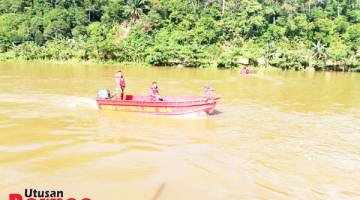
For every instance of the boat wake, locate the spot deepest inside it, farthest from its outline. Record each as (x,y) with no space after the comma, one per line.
(49,100)
(190,116)
(80,102)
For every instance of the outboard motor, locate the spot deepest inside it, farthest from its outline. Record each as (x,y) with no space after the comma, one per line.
(103,94)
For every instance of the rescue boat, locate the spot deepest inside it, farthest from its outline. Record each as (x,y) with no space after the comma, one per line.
(170,105)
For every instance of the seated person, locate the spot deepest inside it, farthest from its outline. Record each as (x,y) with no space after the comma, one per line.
(154,92)
(209,92)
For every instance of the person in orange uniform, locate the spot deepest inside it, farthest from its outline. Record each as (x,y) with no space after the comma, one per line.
(209,92)
(246,71)
(119,85)
(154,92)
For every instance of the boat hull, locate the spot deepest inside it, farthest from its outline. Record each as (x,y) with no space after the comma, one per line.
(171,106)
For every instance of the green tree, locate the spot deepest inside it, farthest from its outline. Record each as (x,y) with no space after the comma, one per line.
(320,54)
(57,24)
(136,8)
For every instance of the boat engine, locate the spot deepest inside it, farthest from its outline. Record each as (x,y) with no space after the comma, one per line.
(103,94)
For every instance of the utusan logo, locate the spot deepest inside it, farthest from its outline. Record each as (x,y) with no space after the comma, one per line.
(32,194)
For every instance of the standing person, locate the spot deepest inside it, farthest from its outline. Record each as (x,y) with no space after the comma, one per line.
(119,85)
(154,92)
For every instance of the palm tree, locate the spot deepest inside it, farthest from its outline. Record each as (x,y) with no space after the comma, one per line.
(137,8)
(319,52)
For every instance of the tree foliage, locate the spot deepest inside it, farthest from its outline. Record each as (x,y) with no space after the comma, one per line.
(195,33)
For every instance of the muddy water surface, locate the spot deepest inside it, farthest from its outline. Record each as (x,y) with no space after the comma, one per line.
(275,135)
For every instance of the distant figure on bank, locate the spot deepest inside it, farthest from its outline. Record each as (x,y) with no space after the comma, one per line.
(209,92)
(154,92)
(246,70)
(119,85)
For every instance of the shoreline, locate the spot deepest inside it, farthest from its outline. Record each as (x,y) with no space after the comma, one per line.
(146,65)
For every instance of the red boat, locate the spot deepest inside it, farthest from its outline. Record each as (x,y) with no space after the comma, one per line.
(171,105)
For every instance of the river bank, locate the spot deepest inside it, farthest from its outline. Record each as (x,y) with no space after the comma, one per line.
(128,64)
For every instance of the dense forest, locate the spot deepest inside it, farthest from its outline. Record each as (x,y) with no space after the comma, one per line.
(287,34)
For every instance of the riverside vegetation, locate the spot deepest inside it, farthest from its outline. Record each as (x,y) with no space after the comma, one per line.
(286,34)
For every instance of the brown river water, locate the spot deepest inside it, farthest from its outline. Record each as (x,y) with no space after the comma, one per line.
(274,135)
